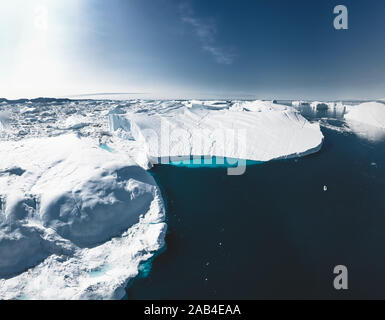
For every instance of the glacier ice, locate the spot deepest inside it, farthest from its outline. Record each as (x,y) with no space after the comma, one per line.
(254,130)
(299,103)
(69,209)
(79,214)
(319,105)
(370,113)
(4,120)
(367,120)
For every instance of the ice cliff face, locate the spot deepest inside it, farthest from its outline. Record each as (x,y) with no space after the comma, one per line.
(319,106)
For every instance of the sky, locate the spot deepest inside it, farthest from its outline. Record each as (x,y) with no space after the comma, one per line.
(267,49)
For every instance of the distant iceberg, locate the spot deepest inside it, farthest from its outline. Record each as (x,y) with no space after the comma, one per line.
(370,113)
(367,120)
(319,105)
(76,221)
(4,120)
(299,103)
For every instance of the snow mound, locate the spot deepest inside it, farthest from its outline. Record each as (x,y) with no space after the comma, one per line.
(75,220)
(257,130)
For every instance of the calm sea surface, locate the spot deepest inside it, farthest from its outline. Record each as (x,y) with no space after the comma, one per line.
(274,232)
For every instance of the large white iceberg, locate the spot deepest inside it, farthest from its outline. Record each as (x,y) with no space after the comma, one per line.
(257,130)
(76,220)
(370,113)
(367,120)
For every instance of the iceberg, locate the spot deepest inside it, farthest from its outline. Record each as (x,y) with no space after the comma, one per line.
(367,120)
(250,130)
(76,220)
(79,213)
(320,105)
(299,103)
(317,105)
(370,113)
(4,119)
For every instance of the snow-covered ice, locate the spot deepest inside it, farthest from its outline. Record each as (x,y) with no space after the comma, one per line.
(78,211)
(299,103)
(257,130)
(4,120)
(69,208)
(319,105)
(367,120)
(370,113)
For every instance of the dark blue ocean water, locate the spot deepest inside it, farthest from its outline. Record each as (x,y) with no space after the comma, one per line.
(274,232)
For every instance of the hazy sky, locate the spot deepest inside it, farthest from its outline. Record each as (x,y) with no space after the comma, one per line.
(192,48)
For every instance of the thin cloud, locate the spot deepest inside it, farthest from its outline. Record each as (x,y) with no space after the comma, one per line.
(219,55)
(205,31)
